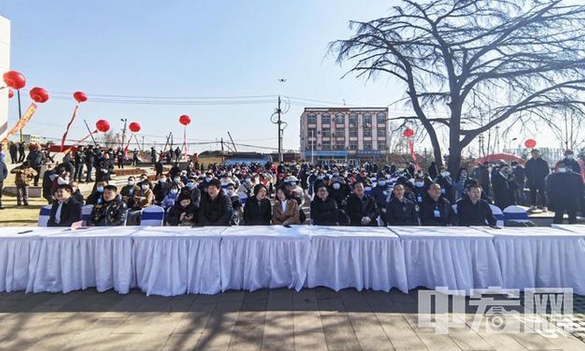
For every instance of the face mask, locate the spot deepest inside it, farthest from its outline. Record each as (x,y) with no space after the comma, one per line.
(190,184)
(382,183)
(99,189)
(320,177)
(223,183)
(177,180)
(174,191)
(562,170)
(145,187)
(248,180)
(130,182)
(293,184)
(419,184)
(570,157)
(61,181)
(445,174)
(336,186)
(208,179)
(230,192)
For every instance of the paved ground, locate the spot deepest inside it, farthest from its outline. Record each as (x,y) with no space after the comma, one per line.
(313,319)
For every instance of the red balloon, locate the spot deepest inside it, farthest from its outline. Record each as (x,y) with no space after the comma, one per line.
(134,127)
(102,125)
(530,143)
(39,95)
(80,96)
(184,120)
(14,79)
(10,94)
(408,132)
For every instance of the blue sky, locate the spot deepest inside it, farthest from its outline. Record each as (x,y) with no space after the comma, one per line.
(187,48)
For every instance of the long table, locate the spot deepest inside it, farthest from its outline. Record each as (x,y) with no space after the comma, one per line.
(175,260)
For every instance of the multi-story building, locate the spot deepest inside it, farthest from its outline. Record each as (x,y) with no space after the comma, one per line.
(344,134)
(4,66)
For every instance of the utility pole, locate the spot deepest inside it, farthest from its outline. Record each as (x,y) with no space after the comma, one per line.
(221,146)
(90,132)
(125,120)
(279,123)
(233,144)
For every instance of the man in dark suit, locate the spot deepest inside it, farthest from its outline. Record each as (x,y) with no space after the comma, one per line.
(361,208)
(66,210)
(435,209)
(472,210)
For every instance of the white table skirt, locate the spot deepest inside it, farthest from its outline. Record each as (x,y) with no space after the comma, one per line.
(355,257)
(256,257)
(458,258)
(98,257)
(18,255)
(540,257)
(177,260)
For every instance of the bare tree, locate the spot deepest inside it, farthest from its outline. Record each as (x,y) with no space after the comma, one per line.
(479,63)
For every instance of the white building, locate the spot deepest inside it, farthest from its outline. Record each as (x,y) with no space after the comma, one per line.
(4,66)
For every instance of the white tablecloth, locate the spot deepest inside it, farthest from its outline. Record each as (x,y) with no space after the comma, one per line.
(540,257)
(459,258)
(256,257)
(354,257)
(99,257)
(19,251)
(177,260)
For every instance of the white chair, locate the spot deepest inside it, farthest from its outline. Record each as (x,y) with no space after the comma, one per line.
(152,215)
(243,198)
(44,215)
(498,214)
(85,213)
(516,214)
(368,190)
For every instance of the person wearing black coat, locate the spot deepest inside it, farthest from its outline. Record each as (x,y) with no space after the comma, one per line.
(401,211)
(323,208)
(216,207)
(570,162)
(3,175)
(361,208)
(482,174)
(112,212)
(520,178)
(183,212)
(505,187)
(536,171)
(380,194)
(79,161)
(90,158)
(472,210)
(65,210)
(433,171)
(36,158)
(435,209)
(13,152)
(564,190)
(338,191)
(258,210)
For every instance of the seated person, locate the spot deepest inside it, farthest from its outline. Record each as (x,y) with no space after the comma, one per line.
(142,198)
(323,208)
(128,191)
(77,195)
(236,202)
(192,189)
(65,210)
(160,190)
(400,210)
(111,212)
(258,210)
(171,197)
(435,209)
(286,210)
(216,206)
(472,210)
(361,208)
(96,197)
(182,213)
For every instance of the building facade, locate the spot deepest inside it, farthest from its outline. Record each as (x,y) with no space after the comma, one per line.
(344,135)
(4,66)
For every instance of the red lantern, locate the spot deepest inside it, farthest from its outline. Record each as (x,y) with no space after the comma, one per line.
(102,125)
(14,79)
(408,132)
(80,96)
(39,95)
(10,94)
(530,143)
(184,120)
(134,127)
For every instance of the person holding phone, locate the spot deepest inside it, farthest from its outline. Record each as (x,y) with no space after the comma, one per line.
(183,212)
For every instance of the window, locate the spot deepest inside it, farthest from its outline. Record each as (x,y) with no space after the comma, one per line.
(311,145)
(353,145)
(381,132)
(367,120)
(367,133)
(326,145)
(340,132)
(339,146)
(381,118)
(312,133)
(381,145)
(340,119)
(325,119)
(353,132)
(367,146)
(326,133)
(311,119)
(353,120)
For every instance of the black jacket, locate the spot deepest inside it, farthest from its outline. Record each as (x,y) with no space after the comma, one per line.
(174,213)
(401,212)
(324,212)
(479,214)
(427,212)
(564,190)
(504,190)
(216,212)
(111,213)
(3,171)
(357,208)
(70,213)
(194,193)
(340,194)
(257,213)
(35,158)
(536,171)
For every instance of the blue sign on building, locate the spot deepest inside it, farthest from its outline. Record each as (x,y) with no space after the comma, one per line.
(324,153)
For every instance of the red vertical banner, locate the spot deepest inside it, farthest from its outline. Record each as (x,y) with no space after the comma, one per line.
(185,141)
(68,126)
(28,115)
(412,153)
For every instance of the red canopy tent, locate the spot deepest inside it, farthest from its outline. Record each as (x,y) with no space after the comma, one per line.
(500,157)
